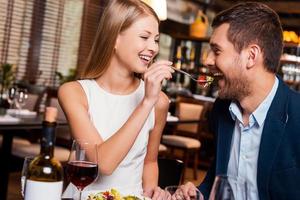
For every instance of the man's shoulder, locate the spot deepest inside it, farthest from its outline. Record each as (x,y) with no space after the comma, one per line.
(291,99)
(294,101)
(295,95)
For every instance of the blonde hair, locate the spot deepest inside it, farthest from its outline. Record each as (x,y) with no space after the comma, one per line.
(117,17)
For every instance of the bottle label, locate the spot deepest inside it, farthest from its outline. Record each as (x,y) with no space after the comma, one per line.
(36,190)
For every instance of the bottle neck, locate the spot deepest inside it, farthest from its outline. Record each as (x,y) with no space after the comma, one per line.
(48,139)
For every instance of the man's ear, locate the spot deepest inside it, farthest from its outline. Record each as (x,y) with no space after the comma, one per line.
(254,55)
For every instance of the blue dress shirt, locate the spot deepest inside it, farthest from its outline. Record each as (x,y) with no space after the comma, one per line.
(245,145)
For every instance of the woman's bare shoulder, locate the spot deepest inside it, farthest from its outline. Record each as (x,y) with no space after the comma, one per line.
(72,87)
(71,91)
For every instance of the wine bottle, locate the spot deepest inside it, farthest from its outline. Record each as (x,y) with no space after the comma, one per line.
(192,60)
(192,85)
(178,60)
(178,63)
(45,174)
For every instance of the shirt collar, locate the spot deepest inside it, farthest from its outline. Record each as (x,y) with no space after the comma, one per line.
(261,111)
(235,111)
(259,115)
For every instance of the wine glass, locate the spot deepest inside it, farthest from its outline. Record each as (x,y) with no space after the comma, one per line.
(175,192)
(228,188)
(82,167)
(20,100)
(27,161)
(11,93)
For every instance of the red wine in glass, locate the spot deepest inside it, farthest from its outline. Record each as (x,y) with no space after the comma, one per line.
(82,167)
(82,173)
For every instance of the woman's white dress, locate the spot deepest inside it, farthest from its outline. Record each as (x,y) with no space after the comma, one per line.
(108,112)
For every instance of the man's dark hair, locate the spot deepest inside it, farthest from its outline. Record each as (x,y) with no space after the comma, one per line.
(253,22)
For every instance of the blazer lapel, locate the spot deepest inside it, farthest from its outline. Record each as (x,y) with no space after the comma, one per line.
(225,131)
(273,131)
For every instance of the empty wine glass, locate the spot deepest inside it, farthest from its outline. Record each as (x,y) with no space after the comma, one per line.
(11,93)
(172,189)
(27,161)
(228,188)
(82,167)
(20,99)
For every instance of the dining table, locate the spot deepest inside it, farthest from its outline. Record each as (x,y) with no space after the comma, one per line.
(22,126)
(9,129)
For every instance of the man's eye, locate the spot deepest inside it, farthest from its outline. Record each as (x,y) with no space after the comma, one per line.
(216,51)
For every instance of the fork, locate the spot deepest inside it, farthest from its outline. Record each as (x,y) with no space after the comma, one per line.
(208,79)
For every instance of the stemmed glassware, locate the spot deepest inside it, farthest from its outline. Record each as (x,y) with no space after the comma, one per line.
(173,188)
(228,188)
(82,167)
(11,94)
(20,98)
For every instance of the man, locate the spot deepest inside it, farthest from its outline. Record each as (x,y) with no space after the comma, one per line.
(256,119)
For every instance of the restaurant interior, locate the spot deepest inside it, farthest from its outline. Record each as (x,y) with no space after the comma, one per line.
(44,44)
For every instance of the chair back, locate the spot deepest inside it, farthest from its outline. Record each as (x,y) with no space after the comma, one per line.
(190,109)
(170,172)
(32,102)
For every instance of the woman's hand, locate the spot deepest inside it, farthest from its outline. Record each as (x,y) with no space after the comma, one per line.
(153,78)
(158,194)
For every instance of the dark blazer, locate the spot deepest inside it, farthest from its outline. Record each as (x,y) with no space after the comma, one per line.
(278,170)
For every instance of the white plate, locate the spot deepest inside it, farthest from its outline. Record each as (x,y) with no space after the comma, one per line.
(22,113)
(8,119)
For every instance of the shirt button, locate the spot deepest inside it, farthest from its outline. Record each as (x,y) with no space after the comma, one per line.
(244,157)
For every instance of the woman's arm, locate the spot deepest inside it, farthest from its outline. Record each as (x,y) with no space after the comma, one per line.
(111,152)
(150,172)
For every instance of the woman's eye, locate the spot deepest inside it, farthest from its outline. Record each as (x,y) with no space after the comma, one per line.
(144,37)
(156,41)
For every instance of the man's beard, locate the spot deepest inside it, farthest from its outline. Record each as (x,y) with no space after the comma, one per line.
(236,87)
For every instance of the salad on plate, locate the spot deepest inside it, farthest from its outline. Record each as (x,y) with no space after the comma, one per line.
(112,194)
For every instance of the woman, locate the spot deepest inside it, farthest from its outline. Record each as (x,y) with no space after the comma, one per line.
(111,106)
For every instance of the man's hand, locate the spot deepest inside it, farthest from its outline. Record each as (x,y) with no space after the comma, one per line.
(187,191)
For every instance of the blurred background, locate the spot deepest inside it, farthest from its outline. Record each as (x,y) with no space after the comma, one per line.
(47,41)
(44,43)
